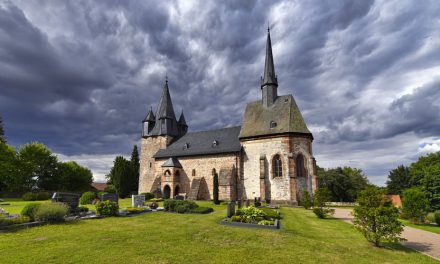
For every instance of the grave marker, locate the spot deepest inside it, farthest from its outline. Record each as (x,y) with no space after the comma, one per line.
(137,200)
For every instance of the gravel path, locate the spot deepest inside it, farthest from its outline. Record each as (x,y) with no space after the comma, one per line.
(423,241)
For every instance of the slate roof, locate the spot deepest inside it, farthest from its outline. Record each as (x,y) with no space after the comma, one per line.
(150,116)
(269,68)
(172,162)
(284,111)
(201,143)
(165,111)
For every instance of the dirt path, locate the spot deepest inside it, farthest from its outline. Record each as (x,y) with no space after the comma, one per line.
(423,241)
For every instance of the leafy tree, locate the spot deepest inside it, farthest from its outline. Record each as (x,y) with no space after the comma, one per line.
(120,176)
(425,173)
(321,197)
(344,184)
(399,180)
(215,189)
(415,205)
(38,165)
(306,199)
(376,217)
(2,132)
(135,163)
(8,168)
(73,177)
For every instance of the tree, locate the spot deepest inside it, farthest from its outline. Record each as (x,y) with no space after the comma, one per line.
(376,217)
(38,166)
(2,132)
(215,189)
(306,199)
(120,175)
(425,173)
(344,184)
(73,177)
(415,205)
(399,180)
(8,168)
(135,164)
(321,198)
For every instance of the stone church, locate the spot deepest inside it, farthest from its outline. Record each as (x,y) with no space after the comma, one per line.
(269,156)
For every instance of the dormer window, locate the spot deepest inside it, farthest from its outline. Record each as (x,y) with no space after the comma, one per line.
(214,143)
(273,124)
(186,146)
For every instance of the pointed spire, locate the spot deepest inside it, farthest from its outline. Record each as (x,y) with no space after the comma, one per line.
(182,120)
(150,116)
(165,108)
(269,68)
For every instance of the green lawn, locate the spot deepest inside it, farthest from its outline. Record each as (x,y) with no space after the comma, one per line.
(173,238)
(426,227)
(17,204)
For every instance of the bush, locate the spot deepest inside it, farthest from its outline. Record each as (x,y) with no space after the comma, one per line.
(322,212)
(29,196)
(179,206)
(306,200)
(87,198)
(81,209)
(271,214)
(266,222)
(202,210)
(437,217)
(415,205)
(215,188)
(30,210)
(148,196)
(100,195)
(51,212)
(431,217)
(110,189)
(42,196)
(251,214)
(107,208)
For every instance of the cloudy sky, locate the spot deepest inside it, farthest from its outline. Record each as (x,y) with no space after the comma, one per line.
(79,76)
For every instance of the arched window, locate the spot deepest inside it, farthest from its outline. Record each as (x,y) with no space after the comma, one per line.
(277,166)
(299,166)
(194,172)
(167,173)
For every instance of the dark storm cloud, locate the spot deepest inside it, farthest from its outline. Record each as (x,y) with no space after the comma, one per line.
(80,75)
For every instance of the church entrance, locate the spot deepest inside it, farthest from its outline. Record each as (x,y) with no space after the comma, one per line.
(176,190)
(166,192)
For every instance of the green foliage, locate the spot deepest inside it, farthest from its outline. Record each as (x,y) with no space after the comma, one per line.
(135,165)
(51,212)
(30,210)
(29,196)
(322,212)
(87,198)
(376,217)
(40,196)
(250,214)
(415,205)
(306,199)
(202,210)
(179,206)
(322,196)
(266,222)
(257,202)
(135,210)
(2,132)
(271,213)
(398,180)
(437,217)
(110,189)
(73,177)
(430,217)
(121,176)
(148,196)
(107,208)
(344,184)
(15,220)
(81,209)
(10,180)
(215,188)
(100,195)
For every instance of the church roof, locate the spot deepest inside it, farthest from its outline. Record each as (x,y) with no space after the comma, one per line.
(165,110)
(269,68)
(182,120)
(150,116)
(282,117)
(172,162)
(224,140)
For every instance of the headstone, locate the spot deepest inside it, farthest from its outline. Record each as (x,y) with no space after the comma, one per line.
(112,197)
(71,199)
(240,204)
(137,200)
(231,209)
(248,203)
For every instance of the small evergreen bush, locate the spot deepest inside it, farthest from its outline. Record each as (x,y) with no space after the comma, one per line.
(107,208)
(87,198)
(179,206)
(306,200)
(29,196)
(148,196)
(437,217)
(51,212)
(30,210)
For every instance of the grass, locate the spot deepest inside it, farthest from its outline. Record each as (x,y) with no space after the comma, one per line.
(174,238)
(16,205)
(426,227)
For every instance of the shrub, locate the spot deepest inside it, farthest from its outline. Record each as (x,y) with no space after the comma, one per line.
(376,217)
(437,217)
(148,196)
(107,208)
(87,198)
(42,196)
(202,210)
(51,212)
(431,217)
(100,195)
(415,205)
(110,189)
(252,214)
(30,210)
(306,200)
(322,212)
(179,206)
(266,222)
(215,188)
(322,196)
(237,218)
(271,214)
(29,196)
(81,209)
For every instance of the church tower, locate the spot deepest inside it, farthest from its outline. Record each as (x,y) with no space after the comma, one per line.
(277,158)
(158,131)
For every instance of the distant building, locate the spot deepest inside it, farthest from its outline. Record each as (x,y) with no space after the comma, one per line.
(269,156)
(98,186)
(395,199)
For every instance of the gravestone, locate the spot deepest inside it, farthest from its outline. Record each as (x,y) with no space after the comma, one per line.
(231,209)
(248,203)
(71,199)
(137,200)
(240,204)
(112,197)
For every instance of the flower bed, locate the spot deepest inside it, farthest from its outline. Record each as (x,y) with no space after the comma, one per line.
(185,207)
(254,217)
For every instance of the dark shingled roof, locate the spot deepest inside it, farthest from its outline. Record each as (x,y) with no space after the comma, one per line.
(285,112)
(201,143)
(172,162)
(165,113)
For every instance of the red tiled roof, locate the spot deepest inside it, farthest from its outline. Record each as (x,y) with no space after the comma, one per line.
(396,200)
(100,186)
